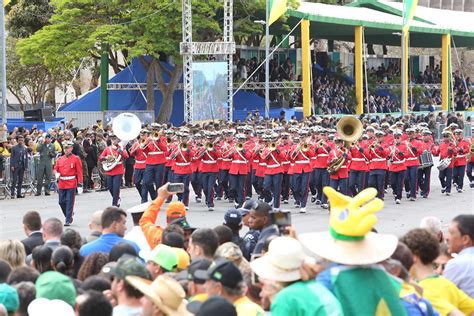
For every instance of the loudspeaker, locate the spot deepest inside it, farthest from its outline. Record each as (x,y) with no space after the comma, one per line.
(40,115)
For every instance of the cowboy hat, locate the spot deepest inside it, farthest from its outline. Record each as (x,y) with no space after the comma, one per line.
(349,239)
(282,262)
(166,293)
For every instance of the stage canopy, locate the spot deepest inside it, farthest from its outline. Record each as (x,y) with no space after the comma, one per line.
(382,22)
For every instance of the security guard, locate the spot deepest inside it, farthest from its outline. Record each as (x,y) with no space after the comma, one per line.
(68,170)
(47,152)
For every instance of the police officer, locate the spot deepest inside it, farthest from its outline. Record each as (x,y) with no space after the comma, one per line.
(47,152)
(68,170)
(249,241)
(18,165)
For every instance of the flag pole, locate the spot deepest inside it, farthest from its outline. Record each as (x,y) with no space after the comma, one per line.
(403,100)
(3,64)
(267,61)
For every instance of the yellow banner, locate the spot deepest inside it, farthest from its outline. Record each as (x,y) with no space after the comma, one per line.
(6,2)
(277,8)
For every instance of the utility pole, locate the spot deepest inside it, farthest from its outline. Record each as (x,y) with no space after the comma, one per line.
(3,65)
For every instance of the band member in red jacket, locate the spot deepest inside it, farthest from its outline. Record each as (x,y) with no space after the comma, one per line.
(424,174)
(397,168)
(226,145)
(285,181)
(321,175)
(412,162)
(446,150)
(114,153)
(470,163)
(338,180)
(209,154)
(69,168)
(359,167)
(462,148)
(301,155)
(239,169)
(182,156)
(377,154)
(140,163)
(197,144)
(273,155)
(155,148)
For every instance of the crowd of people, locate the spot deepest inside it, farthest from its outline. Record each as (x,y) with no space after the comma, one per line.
(179,269)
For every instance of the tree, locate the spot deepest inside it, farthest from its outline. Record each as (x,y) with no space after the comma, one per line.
(146,29)
(29,84)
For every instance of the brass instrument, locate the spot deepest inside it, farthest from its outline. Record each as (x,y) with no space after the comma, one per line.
(209,146)
(183,146)
(350,130)
(272,146)
(239,146)
(169,140)
(304,147)
(155,135)
(471,152)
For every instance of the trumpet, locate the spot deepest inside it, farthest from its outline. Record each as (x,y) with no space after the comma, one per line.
(169,140)
(209,146)
(304,147)
(183,146)
(239,146)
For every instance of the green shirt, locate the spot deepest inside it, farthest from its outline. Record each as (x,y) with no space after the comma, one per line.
(308,298)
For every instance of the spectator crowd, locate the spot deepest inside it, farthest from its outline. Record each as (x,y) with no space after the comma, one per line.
(247,265)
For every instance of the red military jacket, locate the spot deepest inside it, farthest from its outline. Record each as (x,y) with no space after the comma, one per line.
(462,148)
(118,169)
(156,151)
(182,160)
(447,150)
(388,139)
(343,172)
(226,162)
(429,145)
(209,159)
(286,162)
(273,160)
(140,157)
(70,171)
(322,154)
(301,159)
(397,155)
(196,162)
(413,152)
(360,160)
(378,157)
(240,161)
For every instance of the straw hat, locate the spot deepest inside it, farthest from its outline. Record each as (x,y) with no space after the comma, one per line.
(349,240)
(166,293)
(282,262)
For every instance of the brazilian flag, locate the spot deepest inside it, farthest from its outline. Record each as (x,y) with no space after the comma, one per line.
(276,9)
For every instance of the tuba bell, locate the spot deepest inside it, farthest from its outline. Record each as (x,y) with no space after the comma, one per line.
(126,126)
(349,128)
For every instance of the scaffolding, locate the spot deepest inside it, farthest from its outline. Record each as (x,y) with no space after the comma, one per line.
(246,86)
(188,49)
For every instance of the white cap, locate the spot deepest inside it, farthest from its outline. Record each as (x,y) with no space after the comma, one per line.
(39,306)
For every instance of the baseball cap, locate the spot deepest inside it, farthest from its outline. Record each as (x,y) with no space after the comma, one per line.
(222,271)
(67,143)
(127,265)
(175,210)
(9,297)
(54,307)
(198,264)
(216,305)
(248,205)
(54,285)
(233,219)
(165,257)
(183,223)
(183,258)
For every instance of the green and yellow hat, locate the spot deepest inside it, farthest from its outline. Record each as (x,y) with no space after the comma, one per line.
(350,239)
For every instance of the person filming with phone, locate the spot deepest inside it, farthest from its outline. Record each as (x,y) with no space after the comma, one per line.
(175,210)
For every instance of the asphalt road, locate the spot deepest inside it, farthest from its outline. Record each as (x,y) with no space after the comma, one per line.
(396,219)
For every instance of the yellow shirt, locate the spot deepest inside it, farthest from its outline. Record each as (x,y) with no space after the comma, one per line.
(445,296)
(4,152)
(245,307)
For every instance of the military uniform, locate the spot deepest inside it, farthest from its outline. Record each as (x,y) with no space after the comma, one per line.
(70,175)
(45,166)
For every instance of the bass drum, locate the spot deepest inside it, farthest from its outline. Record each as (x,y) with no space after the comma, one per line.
(444,163)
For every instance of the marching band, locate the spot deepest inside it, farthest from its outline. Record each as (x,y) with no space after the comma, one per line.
(227,163)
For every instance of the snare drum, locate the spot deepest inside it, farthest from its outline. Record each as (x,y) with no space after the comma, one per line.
(426,160)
